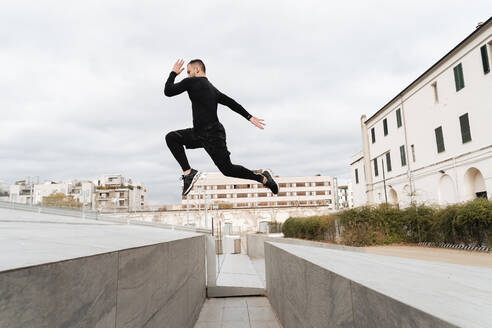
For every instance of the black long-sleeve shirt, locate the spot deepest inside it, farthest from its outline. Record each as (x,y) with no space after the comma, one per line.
(204,99)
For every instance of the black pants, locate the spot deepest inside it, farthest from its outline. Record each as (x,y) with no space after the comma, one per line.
(213,139)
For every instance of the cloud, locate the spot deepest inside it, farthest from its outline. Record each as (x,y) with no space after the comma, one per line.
(81,89)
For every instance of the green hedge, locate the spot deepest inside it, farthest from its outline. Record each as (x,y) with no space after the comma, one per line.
(467,223)
(313,228)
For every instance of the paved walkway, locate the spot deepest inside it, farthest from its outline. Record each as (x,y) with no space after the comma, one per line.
(435,254)
(237,270)
(237,312)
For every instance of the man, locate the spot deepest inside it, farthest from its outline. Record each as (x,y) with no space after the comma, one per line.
(207,131)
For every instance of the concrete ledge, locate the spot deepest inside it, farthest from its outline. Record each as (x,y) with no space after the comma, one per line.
(256,248)
(69,272)
(316,287)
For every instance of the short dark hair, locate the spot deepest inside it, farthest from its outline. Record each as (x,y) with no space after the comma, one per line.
(199,62)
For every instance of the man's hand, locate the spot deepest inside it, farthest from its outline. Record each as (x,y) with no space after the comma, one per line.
(177,66)
(257,121)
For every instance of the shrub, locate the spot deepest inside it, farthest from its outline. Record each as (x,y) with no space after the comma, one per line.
(313,228)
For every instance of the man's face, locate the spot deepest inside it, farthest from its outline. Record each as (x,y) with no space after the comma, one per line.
(192,70)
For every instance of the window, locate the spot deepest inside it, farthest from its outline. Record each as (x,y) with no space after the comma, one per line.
(373,135)
(402,156)
(458,77)
(356,175)
(485,59)
(413,152)
(465,128)
(385,127)
(375,161)
(388,161)
(398,118)
(439,140)
(436,95)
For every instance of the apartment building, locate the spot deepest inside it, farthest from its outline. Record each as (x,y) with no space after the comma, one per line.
(432,142)
(4,191)
(81,191)
(22,191)
(215,188)
(345,196)
(116,193)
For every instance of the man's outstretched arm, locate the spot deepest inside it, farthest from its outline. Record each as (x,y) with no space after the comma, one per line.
(171,88)
(232,104)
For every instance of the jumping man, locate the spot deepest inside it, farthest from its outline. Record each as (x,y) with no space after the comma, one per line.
(207,131)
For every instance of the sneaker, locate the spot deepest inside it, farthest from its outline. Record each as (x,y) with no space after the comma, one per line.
(189,180)
(270,183)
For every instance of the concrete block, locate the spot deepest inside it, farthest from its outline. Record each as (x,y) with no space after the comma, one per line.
(373,310)
(75,293)
(348,289)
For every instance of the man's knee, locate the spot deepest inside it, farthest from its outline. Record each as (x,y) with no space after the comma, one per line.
(172,137)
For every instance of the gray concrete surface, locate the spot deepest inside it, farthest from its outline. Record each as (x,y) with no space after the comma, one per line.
(237,277)
(28,238)
(256,249)
(316,287)
(69,272)
(237,312)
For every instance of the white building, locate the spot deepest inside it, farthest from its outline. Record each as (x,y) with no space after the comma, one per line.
(82,191)
(432,142)
(114,192)
(4,191)
(345,196)
(21,191)
(241,193)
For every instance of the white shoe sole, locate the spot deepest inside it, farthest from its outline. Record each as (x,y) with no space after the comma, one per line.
(195,178)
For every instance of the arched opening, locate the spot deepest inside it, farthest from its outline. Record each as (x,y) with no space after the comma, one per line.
(393,196)
(447,191)
(474,184)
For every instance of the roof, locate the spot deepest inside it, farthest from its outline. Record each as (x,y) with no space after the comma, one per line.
(477,30)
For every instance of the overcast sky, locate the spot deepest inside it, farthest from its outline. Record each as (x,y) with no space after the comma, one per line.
(81,87)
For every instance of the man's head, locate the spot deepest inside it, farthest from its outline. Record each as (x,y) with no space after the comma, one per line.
(195,68)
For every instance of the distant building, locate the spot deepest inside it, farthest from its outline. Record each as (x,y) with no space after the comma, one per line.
(4,191)
(21,192)
(345,196)
(116,193)
(432,142)
(81,191)
(240,193)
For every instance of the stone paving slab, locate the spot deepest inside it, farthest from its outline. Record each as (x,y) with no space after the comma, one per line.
(238,271)
(237,312)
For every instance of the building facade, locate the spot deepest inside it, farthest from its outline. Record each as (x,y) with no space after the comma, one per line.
(227,192)
(22,191)
(345,196)
(432,142)
(116,193)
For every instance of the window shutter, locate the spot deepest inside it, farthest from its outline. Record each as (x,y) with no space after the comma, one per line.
(485,59)
(388,161)
(465,128)
(439,140)
(385,127)
(373,135)
(375,161)
(356,176)
(403,156)
(398,117)
(458,77)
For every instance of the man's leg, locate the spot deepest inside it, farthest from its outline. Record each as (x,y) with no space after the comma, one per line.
(223,162)
(176,140)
